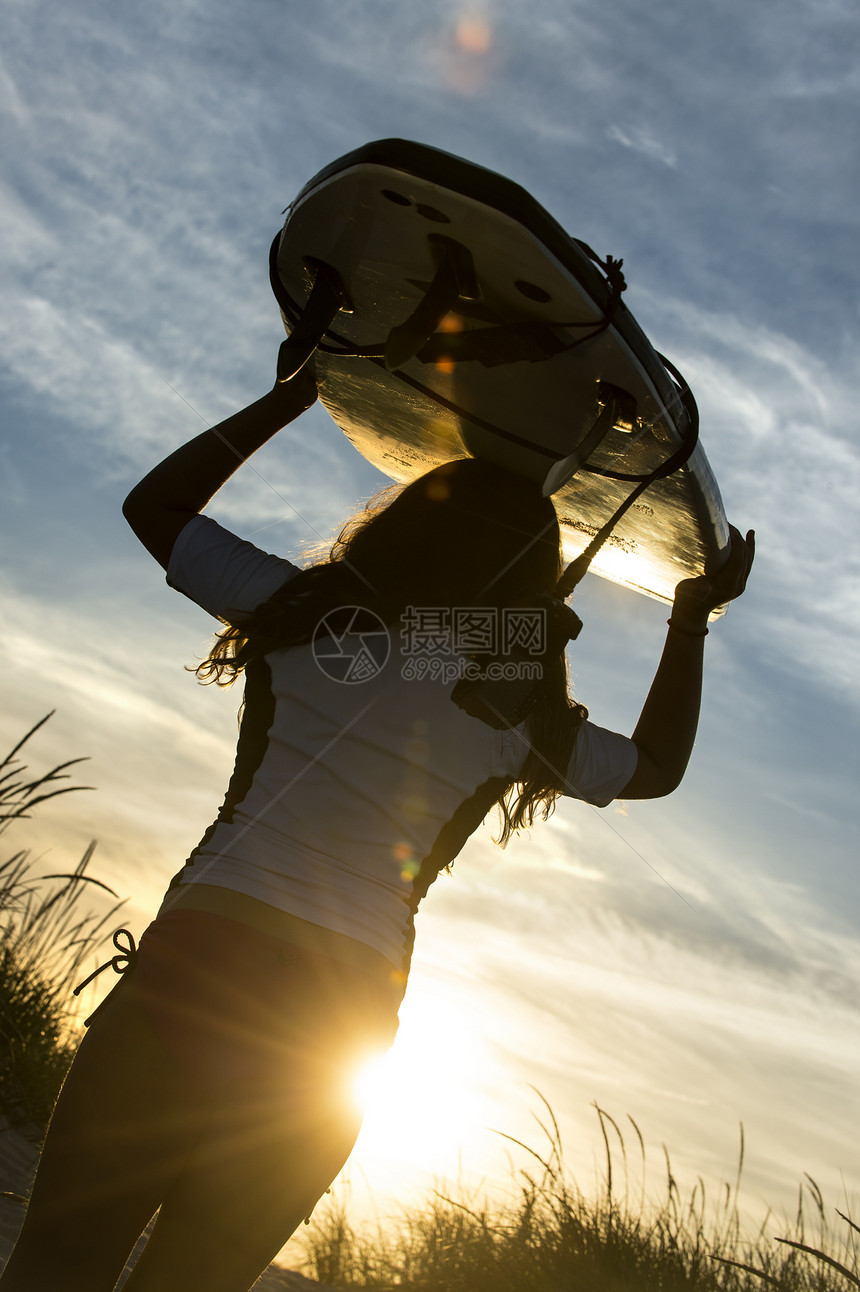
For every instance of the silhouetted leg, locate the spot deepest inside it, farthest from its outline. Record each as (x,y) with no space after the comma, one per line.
(244,1189)
(119,1134)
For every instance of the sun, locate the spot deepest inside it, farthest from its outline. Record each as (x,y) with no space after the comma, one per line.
(421,1097)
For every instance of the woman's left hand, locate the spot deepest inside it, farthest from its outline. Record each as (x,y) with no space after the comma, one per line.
(695,599)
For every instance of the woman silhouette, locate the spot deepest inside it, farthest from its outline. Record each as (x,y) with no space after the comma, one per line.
(214,1083)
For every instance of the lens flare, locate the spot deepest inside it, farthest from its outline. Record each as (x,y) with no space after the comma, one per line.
(466,52)
(437,490)
(473,35)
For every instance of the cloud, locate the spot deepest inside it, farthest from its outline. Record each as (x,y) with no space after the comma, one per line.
(745,1009)
(685,1041)
(709,897)
(775,426)
(641,140)
(123,414)
(150,152)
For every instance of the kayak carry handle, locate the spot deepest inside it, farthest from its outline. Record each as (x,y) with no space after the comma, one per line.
(454,280)
(618,407)
(328,297)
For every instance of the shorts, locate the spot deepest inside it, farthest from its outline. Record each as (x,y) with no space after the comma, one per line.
(235,1006)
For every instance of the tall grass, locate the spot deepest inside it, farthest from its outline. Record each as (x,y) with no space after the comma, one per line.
(555,1239)
(552,1238)
(45,935)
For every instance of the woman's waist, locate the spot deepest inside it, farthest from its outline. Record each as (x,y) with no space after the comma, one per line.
(271,920)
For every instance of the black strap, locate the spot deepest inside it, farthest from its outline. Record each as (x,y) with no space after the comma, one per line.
(327,299)
(577,569)
(492,347)
(503,704)
(528,339)
(616,283)
(453,280)
(615,403)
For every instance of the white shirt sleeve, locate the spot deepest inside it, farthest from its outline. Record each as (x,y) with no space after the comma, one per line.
(602,764)
(225,575)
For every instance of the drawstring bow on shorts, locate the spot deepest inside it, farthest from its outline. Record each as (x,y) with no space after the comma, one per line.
(125,959)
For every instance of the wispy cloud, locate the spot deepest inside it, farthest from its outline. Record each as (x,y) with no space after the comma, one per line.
(691,1033)
(776,424)
(149,154)
(641,140)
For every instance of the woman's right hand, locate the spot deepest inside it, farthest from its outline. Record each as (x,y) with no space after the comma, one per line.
(160,507)
(300,390)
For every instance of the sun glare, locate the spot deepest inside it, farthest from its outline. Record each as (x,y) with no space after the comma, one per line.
(420,1097)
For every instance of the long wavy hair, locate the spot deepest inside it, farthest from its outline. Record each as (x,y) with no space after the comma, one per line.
(468,533)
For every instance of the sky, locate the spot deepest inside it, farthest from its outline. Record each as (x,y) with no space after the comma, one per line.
(690,963)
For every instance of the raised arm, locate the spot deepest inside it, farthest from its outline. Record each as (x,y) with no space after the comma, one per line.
(666,728)
(181,486)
